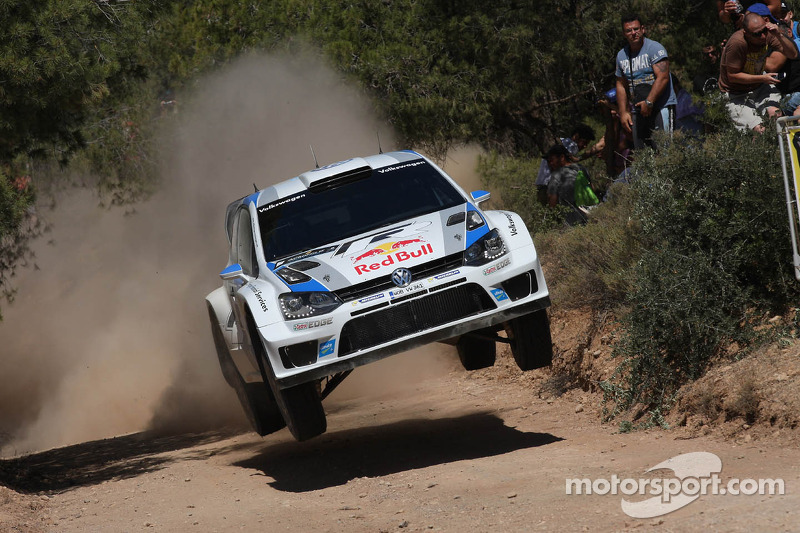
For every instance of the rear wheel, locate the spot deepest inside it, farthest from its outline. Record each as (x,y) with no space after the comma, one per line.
(301,405)
(476,353)
(531,343)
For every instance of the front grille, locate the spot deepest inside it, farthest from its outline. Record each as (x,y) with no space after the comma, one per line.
(384,283)
(414,316)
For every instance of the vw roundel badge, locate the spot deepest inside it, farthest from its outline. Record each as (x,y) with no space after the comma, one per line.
(401,277)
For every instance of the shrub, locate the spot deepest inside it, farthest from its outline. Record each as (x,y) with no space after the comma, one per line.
(591,265)
(18,223)
(715,254)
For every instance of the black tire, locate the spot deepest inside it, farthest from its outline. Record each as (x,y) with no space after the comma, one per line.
(300,406)
(261,408)
(531,343)
(302,410)
(476,353)
(256,398)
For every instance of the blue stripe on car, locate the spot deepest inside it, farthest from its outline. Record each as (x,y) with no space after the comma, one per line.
(252,199)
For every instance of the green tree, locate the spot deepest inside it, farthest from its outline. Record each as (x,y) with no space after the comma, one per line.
(61,63)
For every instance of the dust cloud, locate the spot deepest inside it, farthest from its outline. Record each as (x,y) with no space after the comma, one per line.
(109,334)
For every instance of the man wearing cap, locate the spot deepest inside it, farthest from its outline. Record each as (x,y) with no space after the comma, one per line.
(745,77)
(561,188)
(643,80)
(732,11)
(581,136)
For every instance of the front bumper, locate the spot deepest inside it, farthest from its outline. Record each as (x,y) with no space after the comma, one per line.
(432,309)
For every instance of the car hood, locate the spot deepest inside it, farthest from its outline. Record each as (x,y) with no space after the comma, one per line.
(377,253)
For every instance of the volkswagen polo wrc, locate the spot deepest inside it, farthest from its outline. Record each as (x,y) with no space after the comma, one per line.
(359,260)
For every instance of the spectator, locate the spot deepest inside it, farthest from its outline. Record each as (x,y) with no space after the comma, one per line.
(767,15)
(786,18)
(790,84)
(614,146)
(705,79)
(561,188)
(749,89)
(581,136)
(644,84)
(732,11)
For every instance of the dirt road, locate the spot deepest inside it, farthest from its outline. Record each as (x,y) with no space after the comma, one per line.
(485,451)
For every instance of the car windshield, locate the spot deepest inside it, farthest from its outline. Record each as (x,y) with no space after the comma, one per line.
(381,197)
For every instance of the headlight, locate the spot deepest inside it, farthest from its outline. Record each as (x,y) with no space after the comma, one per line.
(487,248)
(296,305)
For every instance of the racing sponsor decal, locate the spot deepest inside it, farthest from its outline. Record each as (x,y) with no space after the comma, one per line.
(494,268)
(398,167)
(390,257)
(416,287)
(499,294)
(369,299)
(406,231)
(304,255)
(445,275)
(512,227)
(387,247)
(313,324)
(281,202)
(326,348)
(259,297)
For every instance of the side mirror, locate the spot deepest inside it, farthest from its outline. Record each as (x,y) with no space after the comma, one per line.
(480,196)
(232,272)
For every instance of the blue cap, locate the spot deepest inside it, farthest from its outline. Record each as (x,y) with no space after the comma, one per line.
(611,95)
(763,10)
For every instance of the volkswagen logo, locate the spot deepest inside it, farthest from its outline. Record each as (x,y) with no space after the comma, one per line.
(401,277)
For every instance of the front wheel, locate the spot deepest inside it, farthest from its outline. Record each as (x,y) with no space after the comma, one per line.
(302,410)
(476,353)
(531,342)
(301,405)
(256,399)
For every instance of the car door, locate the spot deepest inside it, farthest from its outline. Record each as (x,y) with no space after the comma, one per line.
(242,251)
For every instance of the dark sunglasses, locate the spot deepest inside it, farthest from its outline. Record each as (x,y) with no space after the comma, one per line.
(761,33)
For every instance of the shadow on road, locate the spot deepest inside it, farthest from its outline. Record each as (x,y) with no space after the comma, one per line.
(335,458)
(90,463)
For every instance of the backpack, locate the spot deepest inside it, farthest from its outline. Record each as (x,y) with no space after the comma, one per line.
(584,195)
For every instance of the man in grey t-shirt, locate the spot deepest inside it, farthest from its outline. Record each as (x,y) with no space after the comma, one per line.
(643,84)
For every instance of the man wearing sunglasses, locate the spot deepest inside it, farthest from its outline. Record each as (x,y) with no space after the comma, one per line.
(747,70)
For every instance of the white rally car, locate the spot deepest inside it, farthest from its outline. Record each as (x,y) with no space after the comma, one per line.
(362,259)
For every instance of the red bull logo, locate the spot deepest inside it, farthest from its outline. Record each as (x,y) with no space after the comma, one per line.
(386,248)
(392,257)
